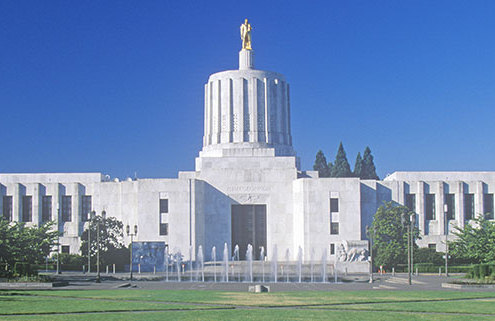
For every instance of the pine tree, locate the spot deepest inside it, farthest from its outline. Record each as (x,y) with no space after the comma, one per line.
(321,165)
(341,167)
(358,166)
(368,170)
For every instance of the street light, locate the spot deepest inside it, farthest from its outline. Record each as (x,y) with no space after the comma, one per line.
(92,214)
(370,232)
(58,238)
(103,217)
(445,210)
(409,226)
(128,230)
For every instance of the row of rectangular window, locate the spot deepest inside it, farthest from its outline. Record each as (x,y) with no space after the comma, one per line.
(469,213)
(46,208)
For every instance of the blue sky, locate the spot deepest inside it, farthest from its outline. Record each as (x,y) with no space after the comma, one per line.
(117,86)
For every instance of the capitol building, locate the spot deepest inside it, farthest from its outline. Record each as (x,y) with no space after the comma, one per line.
(247,187)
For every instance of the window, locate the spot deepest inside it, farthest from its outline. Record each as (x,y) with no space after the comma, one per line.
(163,216)
(411,202)
(66,249)
(334,205)
(332,249)
(488,206)
(334,228)
(430,207)
(164,206)
(432,246)
(66,208)
(450,202)
(7,208)
(163,228)
(468,206)
(85,207)
(27,209)
(46,208)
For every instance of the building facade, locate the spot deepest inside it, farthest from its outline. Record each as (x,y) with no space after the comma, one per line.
(247,188)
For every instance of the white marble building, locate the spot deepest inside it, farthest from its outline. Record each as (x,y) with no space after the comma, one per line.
(247,187)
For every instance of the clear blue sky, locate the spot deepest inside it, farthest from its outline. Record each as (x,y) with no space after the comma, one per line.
(117,86)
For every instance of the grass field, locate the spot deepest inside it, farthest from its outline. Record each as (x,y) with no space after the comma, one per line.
(132,304)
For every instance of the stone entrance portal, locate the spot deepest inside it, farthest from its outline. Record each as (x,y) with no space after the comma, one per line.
(249,227)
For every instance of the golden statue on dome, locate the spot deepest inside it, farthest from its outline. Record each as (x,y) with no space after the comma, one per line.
(246,35)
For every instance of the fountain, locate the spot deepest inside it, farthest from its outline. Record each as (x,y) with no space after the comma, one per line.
(262,259)
(299,263)
(200,262)
(249,258)
(287,260)
(324,266)
(214,259)
(225,263)
(274,264)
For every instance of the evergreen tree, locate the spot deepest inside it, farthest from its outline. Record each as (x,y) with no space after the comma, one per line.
(321,165)
(330,168)
(368,170)
(341,167)
(358,166)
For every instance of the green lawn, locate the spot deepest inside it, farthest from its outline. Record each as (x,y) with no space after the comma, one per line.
(132,304)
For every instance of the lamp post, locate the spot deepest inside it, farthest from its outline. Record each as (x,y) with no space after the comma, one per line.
(370,233)
(409,227)
(103,216)
(58,238)
(91,216)
(411,235)
(128,230)
(445,210)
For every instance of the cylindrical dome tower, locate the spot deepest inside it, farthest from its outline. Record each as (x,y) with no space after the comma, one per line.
(247,112)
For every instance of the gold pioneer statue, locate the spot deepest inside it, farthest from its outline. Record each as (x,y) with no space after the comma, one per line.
(246,35)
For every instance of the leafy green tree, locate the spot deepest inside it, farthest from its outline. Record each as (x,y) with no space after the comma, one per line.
(358,166)
(19,243)
(475,242)
(368,170)
(390,234)
(111,240)
(341,167)
(321,165)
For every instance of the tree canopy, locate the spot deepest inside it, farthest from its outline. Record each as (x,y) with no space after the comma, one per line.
(390,234)
(112,249)
(341,167)
(475,242)
(321,165)
(358,166)
(20,243)
(368,170)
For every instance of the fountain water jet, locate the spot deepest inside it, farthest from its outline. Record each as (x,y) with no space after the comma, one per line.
(236,256)
(262,259)
(190,263)
(214,259)
(225,263)
(312,260)
(324,266)
(178,256)
(287,260)
(299,263)
(200,262)
(165,262)
(274,264)
(249,258)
